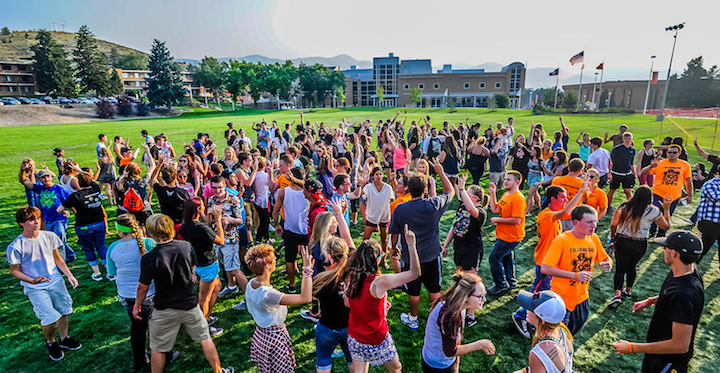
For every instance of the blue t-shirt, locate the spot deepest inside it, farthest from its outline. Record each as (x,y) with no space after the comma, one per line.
(200,149)
(50,199)
(422,216)
(346,213)
(263,139)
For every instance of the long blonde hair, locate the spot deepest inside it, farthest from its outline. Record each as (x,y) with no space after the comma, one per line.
(544,329)
(127,220)
(321,228)
(337,249)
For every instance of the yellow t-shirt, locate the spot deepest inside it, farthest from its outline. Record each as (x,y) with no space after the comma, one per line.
(572,186)
(547,230)
(569,253)
(596,198)
(670,178)
(511,206)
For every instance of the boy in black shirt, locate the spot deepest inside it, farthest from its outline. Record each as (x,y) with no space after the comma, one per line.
(678,308)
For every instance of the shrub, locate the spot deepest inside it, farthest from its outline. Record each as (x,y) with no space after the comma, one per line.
(502,100)
(538,109)
(105,109)
(143,109)
(124,106)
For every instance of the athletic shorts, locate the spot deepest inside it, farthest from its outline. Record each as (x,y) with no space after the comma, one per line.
(653,364)
(165,325)
(431,277)
(51,303)
(376,226)
(466,256)
(627,181)
(292,242)
(575,319)
(209,272)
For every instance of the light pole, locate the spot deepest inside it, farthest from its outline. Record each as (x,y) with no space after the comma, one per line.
(593,96)
(675,28)
(647,93)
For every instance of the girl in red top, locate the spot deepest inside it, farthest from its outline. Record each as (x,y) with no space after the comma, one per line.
(365,293)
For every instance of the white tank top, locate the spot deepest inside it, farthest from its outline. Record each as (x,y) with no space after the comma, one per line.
(547,362)
(68,188)
(296,208)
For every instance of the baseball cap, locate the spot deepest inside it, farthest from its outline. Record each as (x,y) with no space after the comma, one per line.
(125,149)
(314,187)
(229,124)
(547,305)
(687,243)
(44,172)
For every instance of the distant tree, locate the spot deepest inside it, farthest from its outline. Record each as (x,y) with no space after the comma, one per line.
(696,87)
(340,92)
(278,78)
(165,85)
(115,85)
(211,75)
(570,99)
(235,81)
(492,104)
(27,36)
(317,81)
(5,31)
(451,104)
(416,95)
(91,69)
(114,57)
(309,81)
(51,67)
(502,100)
(548,96)
(380,92)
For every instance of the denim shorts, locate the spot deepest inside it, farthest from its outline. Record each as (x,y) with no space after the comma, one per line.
(209,272)
(534,179)
(230,255)
(326,340)
(50,303)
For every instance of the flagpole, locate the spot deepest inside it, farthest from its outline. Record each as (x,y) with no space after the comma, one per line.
(601,82)
(647,93)
(557,83)
(582,69)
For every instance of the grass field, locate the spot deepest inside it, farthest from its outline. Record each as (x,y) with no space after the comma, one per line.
(101,324)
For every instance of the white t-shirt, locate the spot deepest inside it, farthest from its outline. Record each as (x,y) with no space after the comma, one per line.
(378,203)
(600,160)
(260,187)
(35,257)
(263,304)
(649,216)
(98,147)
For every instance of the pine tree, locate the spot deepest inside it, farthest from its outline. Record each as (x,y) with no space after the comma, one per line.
(165,84)
(52,67)
(115,85)
(91,65)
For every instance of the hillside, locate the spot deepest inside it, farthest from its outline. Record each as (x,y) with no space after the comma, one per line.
(18,45)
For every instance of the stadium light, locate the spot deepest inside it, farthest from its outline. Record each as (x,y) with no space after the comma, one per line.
(675,28)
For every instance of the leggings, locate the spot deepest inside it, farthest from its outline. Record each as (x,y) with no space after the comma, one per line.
(627,256)
(262,229)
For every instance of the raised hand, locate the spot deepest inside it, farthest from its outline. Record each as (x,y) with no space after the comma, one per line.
(409,237)
(492,188)
(436,166)
(462,180)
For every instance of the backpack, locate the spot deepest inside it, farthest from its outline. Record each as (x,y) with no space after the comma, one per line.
(132,201)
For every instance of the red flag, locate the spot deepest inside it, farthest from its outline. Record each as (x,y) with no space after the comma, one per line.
(654,78)
(600,66)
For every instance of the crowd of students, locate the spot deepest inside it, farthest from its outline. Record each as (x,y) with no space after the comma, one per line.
(217,211)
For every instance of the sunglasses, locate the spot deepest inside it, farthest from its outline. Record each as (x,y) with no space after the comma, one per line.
(592,176)
(673,152)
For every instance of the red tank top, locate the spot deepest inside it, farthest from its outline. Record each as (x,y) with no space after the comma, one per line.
(367,323)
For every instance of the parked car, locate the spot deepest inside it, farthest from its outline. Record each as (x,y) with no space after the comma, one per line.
(75,100)
(23,100)
(37,101)
(113,100)
(10,101)
(94,100)
(85,101)
(64,100)
(47,99)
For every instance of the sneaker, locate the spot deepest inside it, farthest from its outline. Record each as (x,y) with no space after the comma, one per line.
(522,326)
(175,356)
(308,315)
(110,278)
(610,210)
(290,289)
(212,320)
(96,277)
(242,306)
(214,332)
(496,290)
(615,302)
(227,291)
(625,294)
(408,320)
(70,344)
(470,321)
(56,353)
(228,370)
(688,221)
(354,223)
(271,228)
(271,240)
(337,354)
(513,285)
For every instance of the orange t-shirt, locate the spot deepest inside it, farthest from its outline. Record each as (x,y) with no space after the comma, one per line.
(511,206)
(569,253)
(572,186)
(400,199)
(284,183)
(547,230)
(125,161)
(596,198)
(670,178)
(547,154)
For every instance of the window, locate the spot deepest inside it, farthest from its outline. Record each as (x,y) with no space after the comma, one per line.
(146,76)
(7,67)
(482,85)
(8,78)
(421,86)
(11,89)
(406,86)
(126,75)
(136,75)
(498,85)
(25,78)
(22,68)
(26,89)
(138,84)
(436,86)
(466,85)
(184,76)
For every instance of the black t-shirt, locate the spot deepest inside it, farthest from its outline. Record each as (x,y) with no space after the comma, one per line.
(681,300)
(334,314)
(155,152)
(422,216)
(233,135)
(201,238)
(520,155)
(172,201)
(472,238)
(715,162)
(306,151)
(87,204)
(622,158)
(171,266)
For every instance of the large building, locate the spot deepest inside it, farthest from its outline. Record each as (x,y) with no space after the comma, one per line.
(135,81)
(468,88)
(628,94)
(16,79)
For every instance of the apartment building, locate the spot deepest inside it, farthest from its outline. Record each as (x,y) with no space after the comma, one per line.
(136,81)
(16,79)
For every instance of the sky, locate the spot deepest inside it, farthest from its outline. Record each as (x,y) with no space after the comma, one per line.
(539,33)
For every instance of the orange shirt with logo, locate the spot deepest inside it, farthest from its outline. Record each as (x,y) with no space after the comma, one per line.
(670,178)
(570,253)
(596,198)
(572,186)
(547,230)
(511,206)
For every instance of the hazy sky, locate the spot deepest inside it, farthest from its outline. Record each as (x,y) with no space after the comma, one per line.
(541,33)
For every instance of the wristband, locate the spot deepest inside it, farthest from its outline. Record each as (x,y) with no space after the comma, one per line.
(576,276)
(307,272)
(308,267)
(136,308)
(32,282)
(651,301)
(630,348)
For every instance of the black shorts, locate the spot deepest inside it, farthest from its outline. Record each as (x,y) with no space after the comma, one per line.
(468,257)
(653,364)
(575,319)
(292,242)
(382,226)
(627,181)
(431,277)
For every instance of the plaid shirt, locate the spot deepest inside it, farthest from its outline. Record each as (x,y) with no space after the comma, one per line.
(709,207)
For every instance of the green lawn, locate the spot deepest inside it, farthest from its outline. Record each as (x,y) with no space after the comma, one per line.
(102,325)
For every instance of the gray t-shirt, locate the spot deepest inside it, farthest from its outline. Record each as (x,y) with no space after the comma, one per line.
(651,214)
(123,262)
(35,257)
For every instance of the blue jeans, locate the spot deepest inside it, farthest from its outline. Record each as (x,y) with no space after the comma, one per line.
(657,201)
(92,238)
(541,283)
(502,263)
(59,227)
(326,340)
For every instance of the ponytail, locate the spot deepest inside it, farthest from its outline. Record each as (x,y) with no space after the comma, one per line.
(129,221)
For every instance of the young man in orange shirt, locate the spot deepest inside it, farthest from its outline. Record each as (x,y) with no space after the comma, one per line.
(548,227)
(595,197)
(670,174)
(570,262)
(572,183)
(509,231)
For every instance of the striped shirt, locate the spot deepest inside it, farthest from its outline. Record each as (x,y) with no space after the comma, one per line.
(709,207)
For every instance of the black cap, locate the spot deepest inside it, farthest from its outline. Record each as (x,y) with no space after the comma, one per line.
(229,124)
(687,243)
(200,135)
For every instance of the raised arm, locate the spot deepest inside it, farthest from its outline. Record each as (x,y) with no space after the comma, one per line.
(383,283)
(305,295)
(700,150)
(577,140)
(446,184)
(464,197)
(337,209)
